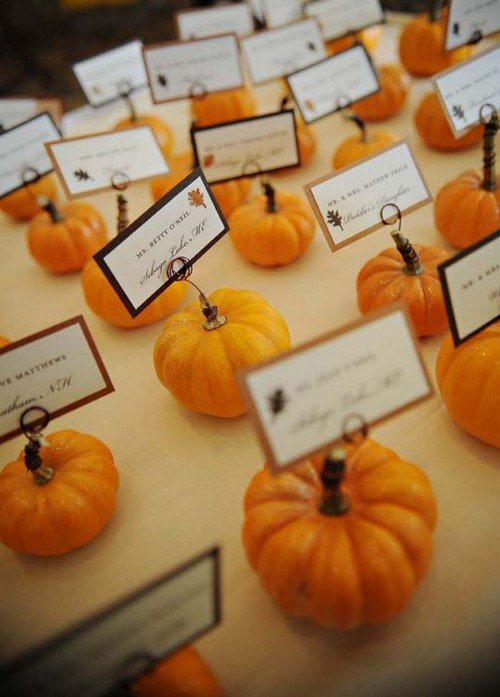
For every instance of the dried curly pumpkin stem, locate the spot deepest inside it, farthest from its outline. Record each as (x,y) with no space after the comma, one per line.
(55,215)
(213,320)
(335,501)
(33,461)
(270,194)
(360,123)
(122,217)
(489,170)
(408,253)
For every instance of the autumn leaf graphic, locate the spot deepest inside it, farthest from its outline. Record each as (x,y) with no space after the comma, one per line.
(456,28)
(458,112)
(196,198)
(309,104)
(162,80)
(277,401)
(311,46)
(96,89)
(335,219)
(208,160)
(82,176)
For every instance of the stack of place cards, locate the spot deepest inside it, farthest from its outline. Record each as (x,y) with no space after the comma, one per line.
(16,110)
(468,21)
(210,21)
(339,17)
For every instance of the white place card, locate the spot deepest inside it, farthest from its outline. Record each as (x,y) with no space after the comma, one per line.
(58,369)
(301,401)
(247,147)
(185,222)
(110,650)
(87,164)
(21,148)
(348,203)
(339,17)
(468,21)
(210,21)
(181,69)
(333,83)
(109,75)
(277,52)
(471,287)
(278,12)
(15,110)
(465,88)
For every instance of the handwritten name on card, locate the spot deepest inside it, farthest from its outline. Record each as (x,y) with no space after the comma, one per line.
(22,147)
(471,288)
(465,88)
(177,70)
(58,369)
(210,21)
(185,222)
(248,147)
(279,12)
(88,164)
(348,203)
(339,17)
(371,368)
(277,52)
(468,21)
(106,77)
(15,110)
(114,647)
(333,83)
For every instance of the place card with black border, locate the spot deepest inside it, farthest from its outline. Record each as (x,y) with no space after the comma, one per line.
(197,23)
(59,369)
(334,83)
(107,76)
(467,86)
(22,148)
(300,401)
(471,288)
(468,21)
(87,164)
(186,222)
(347,203)
(181,69)
(106,652)
(276,13)
(340,17)
(277,52)
(16,110)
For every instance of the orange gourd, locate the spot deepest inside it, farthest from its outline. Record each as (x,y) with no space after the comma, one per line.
(62,241)
(22,204)
(468,378)
(219,107)
(467,209)
(394,83)
(199,351)
(421,44)
(184,674)
(369,37)
(435,131)
(366,142)
(161,130)
(344,539)
(63,503)
(275,229)
(407,274)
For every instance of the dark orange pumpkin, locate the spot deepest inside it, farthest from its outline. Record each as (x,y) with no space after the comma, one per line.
(161,130)
(369,37)
(22,204)
(434,129)
(220,107)
(366,142)
(394,83)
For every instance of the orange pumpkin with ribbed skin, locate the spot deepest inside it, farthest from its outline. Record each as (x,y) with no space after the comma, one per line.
(161,130)
(184,674)
(389,278)
(70,508)
(219,107)
(198,365)
(275,229)
(366,142)
(435,131)
(63,241)
(369,37)
(22,205)
(346,568)
(468,378)
(394,83)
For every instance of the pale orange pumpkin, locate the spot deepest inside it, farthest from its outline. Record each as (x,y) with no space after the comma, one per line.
(369,37)
(394,83)
(22,204)
(366,142)
(161,130)
(219,107)
(434,129)
(468,378)
(63,503)
(344,539)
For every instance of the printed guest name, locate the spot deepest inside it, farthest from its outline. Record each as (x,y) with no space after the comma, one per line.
(28,372)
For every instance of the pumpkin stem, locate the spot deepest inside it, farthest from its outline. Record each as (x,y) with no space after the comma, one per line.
(33,461)
(489,172)
(435,10)
(130,105)
(270,194)
(49,206)
(360,123)
(213,320)
(284,102)
(335,501)
(408,253)
(122,218)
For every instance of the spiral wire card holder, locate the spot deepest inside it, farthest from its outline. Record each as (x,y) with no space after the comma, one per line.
(405,248)
(32,429)
(120,182)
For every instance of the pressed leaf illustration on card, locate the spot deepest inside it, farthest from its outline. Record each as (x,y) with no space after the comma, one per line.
(196,198)
(277,401)
(334,218)
(458,111)
(82,176)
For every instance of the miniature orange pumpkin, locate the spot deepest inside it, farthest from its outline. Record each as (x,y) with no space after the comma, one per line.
(390,100)
(185,674)
(220,107)
(200,349)
(468,378)
(369,37)
(63,240)
(306,139)
(22,205)
(434,129)
(161,130)
(65,502)
(342,540)
(421,44)
(275,229)
(408,274)
(365,143)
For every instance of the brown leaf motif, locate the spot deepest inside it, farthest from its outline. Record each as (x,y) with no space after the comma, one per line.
(196,198)
(208,160)
(309,104)
(334,218)
(277,401)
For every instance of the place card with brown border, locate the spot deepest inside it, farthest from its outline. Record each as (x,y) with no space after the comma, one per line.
(468,86)
(59,369)
(186,222)
(347,203)
(469,21)
(22,153)
(107,652)
(16,110)
(366,372)
(197,23)
(181,69)
(277,52)
(87,164)
(334,83)
(471,288)
(247,147)
(340,17)
(276,13)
